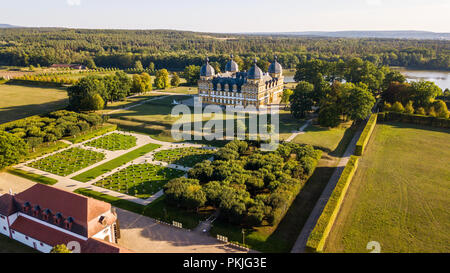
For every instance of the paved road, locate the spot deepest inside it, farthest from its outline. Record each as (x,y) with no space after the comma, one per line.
(300,244)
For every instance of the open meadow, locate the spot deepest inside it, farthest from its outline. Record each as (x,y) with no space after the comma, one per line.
(19,101)
(399,195)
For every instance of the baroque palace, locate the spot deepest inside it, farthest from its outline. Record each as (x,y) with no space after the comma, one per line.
(246,88)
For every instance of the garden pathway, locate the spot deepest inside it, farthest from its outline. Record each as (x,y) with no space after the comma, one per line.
(300,244)
(299,132)
(67,183)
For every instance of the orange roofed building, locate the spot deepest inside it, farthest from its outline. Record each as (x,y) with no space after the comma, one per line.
(42,217)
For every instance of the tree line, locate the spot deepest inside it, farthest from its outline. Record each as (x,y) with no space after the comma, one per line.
(175,50)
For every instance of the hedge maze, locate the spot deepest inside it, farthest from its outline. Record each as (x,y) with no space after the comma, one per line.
(139,180)
(113,142)
(68,161)
(187,157)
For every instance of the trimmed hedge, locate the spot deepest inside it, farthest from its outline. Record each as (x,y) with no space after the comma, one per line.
(93,133)
(365,135)
(317,238)
(415,119)
(33,177)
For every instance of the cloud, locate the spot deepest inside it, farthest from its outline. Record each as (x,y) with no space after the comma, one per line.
(73,2)
(374,2)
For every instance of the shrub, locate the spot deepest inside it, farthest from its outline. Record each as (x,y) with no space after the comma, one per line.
(421,111)
(318,236)
(397,107)
(365,135)
(409,109)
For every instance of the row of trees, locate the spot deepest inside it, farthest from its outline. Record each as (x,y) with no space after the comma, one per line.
(175,50)
(437,109)
(17,137)
(248,187)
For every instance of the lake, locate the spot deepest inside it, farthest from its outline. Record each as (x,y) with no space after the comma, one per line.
(441,78)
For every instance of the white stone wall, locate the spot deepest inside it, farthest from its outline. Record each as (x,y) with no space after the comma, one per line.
(33,243)
(4,227)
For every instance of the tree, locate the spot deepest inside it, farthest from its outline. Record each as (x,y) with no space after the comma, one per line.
(192,74)
(358,101)
(96,102)
(421,111)
(391,77)
(216,66)
(301,100)
(86,87)
(423,92)
(60,249)
(12,149)
(162,79)
(175,81)
(396,91)
(409,109)
(397,107)
(286,95)
(138,66)
(441,109)
(151,67)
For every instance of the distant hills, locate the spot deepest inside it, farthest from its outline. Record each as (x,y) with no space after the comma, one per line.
(8,26)
(412,34)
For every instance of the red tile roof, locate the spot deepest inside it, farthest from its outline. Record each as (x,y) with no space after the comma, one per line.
(7,205)
(84,210)
(54,237)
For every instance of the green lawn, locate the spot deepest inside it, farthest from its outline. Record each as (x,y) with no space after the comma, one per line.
(326,139)
(92,132)
(158,209)
(45,148)
(113,142)
(33,177)
(400,194)
(18,101)
(139,180)
(67,161)
(114,163)
(181,90)
(187,157)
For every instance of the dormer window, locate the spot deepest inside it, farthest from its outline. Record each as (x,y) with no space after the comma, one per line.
(46,214)
(58,218)
(36,210)
(26,207)
(69,222)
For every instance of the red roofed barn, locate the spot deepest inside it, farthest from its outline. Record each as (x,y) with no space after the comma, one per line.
(42,217)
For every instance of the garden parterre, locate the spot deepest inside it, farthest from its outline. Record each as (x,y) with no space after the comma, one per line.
(113,142)
(67,161)
(187,157)
(139,180)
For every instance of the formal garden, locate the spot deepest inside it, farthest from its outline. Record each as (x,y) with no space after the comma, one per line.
(187,157)
(139,180)
(113,142)
(67,161)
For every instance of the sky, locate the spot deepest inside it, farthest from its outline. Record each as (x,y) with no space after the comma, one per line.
(232,16)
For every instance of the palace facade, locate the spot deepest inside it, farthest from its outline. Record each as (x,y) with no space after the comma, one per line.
(246,88)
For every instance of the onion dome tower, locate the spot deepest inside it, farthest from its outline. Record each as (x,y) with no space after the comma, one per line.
(255,73)
(207,71)
(275,69)
(232,66)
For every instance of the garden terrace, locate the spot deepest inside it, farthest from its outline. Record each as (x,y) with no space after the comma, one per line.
(113,142)
(67,161)
(139,180)
(187,157)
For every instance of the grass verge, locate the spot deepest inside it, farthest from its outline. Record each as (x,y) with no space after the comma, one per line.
(33,177)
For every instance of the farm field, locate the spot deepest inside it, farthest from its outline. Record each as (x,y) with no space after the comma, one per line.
(399,196)
(113,142)
(67,161)
(19,101)
(140,180)
(187,157)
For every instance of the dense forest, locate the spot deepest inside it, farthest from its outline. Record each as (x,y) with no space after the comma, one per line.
(175,50)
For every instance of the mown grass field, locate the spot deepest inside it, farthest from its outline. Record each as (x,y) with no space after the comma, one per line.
(18,101)
(400,194)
